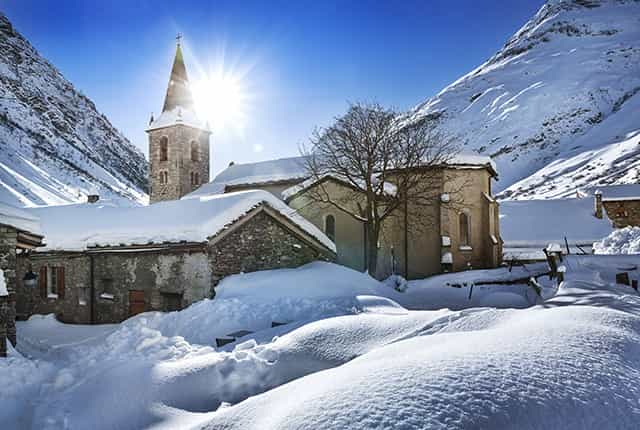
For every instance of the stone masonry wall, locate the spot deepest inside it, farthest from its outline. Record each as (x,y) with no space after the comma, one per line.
(623,213)
(178,165)
(261,243)
(8,241)
(184,274)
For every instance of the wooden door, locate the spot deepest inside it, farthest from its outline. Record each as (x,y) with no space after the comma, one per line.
(136,302)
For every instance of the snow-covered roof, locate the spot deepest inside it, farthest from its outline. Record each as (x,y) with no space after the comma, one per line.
(536,223)
(78,227)
(470,159)
(294,169)
(389,188)
(620,192)
(263,172)
(178,116)
(19,219)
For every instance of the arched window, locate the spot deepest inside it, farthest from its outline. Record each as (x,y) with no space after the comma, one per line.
(195,153)
(465,229)
(164,177)
(164,148)
(330,227)
(195,178)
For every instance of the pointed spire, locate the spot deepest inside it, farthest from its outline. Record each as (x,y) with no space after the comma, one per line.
(178,92)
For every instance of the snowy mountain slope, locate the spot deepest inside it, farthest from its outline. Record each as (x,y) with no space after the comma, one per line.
(564,89)
(55,146)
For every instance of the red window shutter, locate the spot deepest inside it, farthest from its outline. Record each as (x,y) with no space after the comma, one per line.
(60,282)
(43,282)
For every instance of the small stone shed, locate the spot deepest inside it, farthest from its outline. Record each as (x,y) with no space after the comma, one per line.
(621,204)
(103,264)
(19,234)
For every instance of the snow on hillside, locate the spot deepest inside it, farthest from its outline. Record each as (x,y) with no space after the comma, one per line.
(55,147)
(572,363)
(622,241)
(557,107)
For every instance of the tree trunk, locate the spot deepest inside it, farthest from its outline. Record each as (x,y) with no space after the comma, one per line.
(372,250)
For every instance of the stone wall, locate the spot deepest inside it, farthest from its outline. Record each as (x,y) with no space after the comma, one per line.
(261,243)
(178,165)
(8,242)
(177,273)
(623,213)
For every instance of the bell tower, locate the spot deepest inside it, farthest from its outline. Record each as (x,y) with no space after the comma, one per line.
(178,140)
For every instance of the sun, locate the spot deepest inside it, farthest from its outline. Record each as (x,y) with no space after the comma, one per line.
(221,100)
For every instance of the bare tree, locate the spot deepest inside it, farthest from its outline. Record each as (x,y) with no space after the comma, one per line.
(388,166)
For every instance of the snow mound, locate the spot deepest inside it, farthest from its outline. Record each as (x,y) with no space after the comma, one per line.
(573,363)
(313,280)
(622,241)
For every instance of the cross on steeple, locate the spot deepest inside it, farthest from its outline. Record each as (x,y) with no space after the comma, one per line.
(179,38)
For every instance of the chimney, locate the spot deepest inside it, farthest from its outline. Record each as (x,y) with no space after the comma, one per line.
(598,204)
(231,163)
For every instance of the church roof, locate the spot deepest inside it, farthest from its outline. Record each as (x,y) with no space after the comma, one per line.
(82,226)
(293,169)
(290,169)
(178,91)
(178,116)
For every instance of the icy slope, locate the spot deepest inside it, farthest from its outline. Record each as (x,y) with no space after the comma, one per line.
(54,145)
(564,90)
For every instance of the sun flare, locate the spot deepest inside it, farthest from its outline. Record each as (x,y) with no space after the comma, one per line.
(221,100)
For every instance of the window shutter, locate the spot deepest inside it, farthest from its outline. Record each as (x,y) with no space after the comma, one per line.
(43,282)
(60,282)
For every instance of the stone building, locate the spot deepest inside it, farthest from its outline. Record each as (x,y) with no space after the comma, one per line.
(178,141)
(621,204)
(459,230)
(19,234)
(103,264)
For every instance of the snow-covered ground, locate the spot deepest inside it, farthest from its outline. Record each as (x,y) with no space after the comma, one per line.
(347,356)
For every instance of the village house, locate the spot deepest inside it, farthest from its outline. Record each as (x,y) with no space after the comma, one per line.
(103,264)
(19,234)
(620,203)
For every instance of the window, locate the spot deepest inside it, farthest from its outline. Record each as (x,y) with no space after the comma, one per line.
(164,148)
(465,232)
(195,178)
(164,177)
(171,302)
(52,282)
(195,153)
(330,227)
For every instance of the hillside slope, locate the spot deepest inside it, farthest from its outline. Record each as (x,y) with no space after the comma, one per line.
(562,95)
(55,146)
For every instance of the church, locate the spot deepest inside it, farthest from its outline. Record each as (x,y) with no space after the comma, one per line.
(101,264)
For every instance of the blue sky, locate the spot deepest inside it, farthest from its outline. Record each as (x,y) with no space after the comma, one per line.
(298,63)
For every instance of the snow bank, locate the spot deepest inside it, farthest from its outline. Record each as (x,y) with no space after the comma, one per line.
(573,363)
(76,227)
(527,226)
(21,382)
(623,241)
(3,285)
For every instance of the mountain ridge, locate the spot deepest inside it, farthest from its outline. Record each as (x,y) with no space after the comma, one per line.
(56,147)
(532,105)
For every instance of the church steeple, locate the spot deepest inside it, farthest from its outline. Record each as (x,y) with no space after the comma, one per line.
(178,92)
